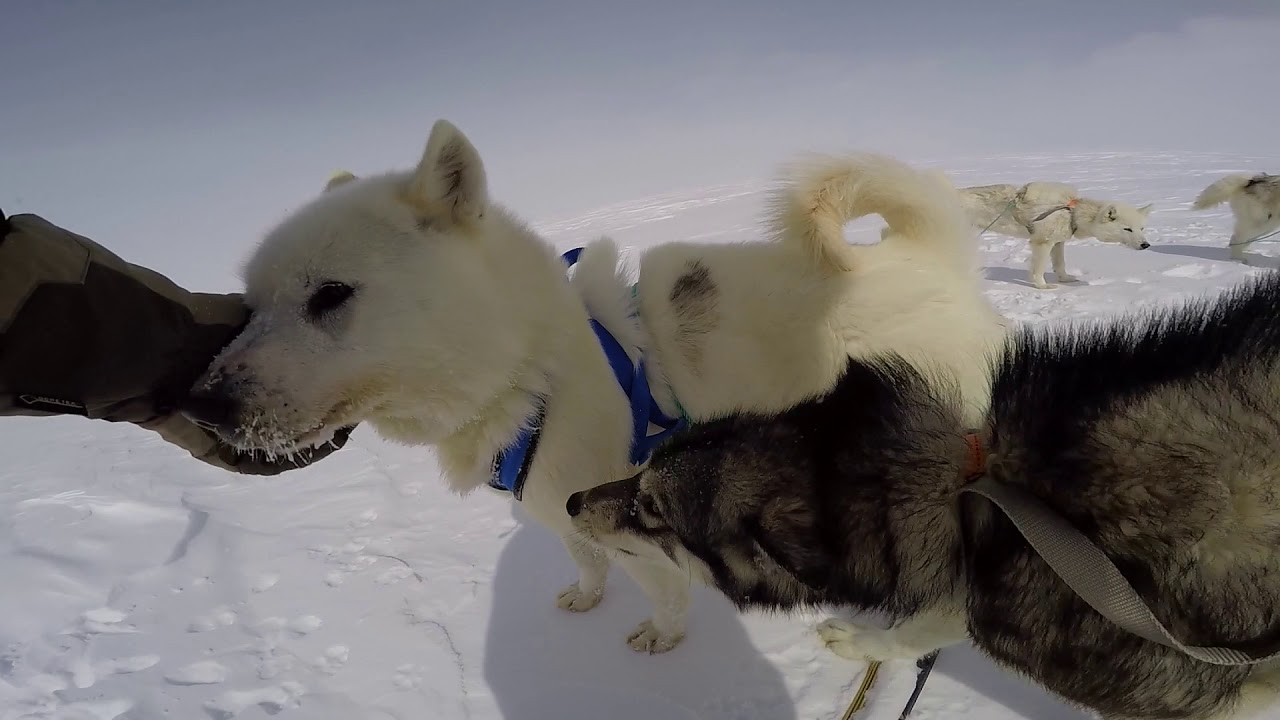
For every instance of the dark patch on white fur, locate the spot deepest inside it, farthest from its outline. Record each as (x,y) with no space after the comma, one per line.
(1263,179)
(694,300)
(1264,187)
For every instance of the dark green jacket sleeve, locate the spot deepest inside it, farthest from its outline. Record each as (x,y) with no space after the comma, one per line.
(84,332)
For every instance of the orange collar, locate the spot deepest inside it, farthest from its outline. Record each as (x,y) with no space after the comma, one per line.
(1073,202)
(976,464)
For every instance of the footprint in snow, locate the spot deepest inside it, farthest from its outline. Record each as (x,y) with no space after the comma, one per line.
(393,575)
(105,621)
(264,582)
(205,672)
(221,617)
(94,709)
(84,674)
(333,659)
(1193,270)
(127,665)
(364,519)
(305,625)
(272,700)
(407,677)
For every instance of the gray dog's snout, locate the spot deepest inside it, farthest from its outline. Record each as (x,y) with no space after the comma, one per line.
(574,505)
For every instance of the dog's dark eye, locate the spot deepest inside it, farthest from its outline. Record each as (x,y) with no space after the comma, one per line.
(328,297)
(1128,229)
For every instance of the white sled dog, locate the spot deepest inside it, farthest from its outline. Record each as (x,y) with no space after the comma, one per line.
(1049,214)
(1255,203)
(412,302)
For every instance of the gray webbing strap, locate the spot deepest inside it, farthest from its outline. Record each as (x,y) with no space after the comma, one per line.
(1049,212)
(1092,575)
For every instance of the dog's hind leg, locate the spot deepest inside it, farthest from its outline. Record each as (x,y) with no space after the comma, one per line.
(593,568)
(668,589)
(1059,256)
(909,639)
(1239,243)
(1040,249)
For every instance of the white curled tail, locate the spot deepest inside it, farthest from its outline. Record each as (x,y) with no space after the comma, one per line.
(823,194)
(1220,191)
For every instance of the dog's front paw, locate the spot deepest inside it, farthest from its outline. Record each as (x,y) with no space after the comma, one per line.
(1063,277)
(575,599)
(854,642)
(1042,285)
(648,638)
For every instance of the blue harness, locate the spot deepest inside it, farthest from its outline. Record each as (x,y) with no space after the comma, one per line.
(511,466)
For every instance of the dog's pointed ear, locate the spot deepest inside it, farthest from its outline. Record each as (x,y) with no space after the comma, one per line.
(450,180)
(1109,213)
(342,177)
(1146,209)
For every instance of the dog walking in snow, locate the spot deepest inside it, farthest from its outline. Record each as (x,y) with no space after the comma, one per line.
(412,302)
(1049,214)
(1154,435)
(1255,203)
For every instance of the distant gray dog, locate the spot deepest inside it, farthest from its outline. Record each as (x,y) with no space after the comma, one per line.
(1255,203)
(1155,436)
(1049,214)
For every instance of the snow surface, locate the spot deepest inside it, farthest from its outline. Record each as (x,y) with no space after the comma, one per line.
(138,583)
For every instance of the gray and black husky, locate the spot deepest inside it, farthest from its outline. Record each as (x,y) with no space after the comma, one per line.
(1157,436)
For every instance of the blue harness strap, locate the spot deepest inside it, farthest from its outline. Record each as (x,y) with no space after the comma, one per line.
(644,409)
(511,466)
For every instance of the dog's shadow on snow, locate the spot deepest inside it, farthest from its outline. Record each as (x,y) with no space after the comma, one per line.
(1221,254)
(967,666)
(1200,252)
(544,663)
(1017,276)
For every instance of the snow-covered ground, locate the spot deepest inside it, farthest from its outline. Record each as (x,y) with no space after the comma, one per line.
(137,583)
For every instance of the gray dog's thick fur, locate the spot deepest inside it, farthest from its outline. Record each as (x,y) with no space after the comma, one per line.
(1158,437)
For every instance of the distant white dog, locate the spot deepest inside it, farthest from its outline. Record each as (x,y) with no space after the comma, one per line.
(1049,214)
(1255,203)
(410,301)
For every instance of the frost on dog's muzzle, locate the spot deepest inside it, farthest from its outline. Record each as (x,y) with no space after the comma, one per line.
(603,510)
(250,419)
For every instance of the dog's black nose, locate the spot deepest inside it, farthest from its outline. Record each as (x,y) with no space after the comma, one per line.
(1145,245)
(574,506)
(212,410)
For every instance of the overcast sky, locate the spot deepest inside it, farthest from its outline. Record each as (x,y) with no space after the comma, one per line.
(175,133)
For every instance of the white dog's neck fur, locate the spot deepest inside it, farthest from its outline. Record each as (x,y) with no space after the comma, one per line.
(1084,217)
(556,361)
